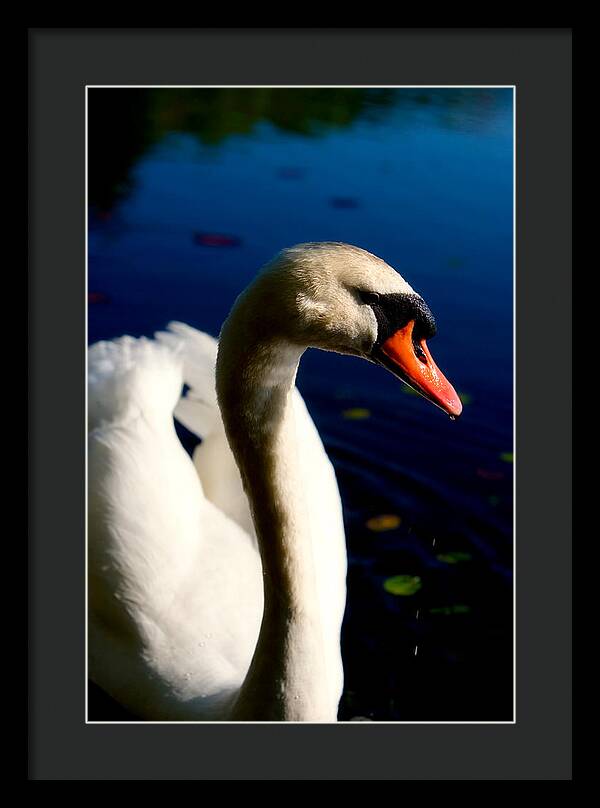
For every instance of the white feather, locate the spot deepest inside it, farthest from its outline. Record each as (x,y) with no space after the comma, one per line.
(175,584)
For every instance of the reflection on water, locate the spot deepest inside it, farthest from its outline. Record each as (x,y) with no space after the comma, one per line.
(123,124)
(191,191)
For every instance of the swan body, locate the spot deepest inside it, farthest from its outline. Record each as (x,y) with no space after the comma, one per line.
(174,573)
(216,585)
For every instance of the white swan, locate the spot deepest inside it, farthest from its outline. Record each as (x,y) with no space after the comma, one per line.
(198,611)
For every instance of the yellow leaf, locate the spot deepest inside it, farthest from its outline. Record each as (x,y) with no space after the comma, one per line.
(356,413)
(386,521)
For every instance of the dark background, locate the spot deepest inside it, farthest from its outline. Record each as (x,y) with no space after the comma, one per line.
(538,746)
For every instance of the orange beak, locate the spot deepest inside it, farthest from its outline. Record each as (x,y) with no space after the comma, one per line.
(413,363)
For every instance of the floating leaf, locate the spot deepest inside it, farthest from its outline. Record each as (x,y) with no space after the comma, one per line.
(459,609)
(507,457)
(486,474)
(465,398)
(410,391)
(216,240)
(97,297)
(454,557)
(386,521)
(402,584)
(344,202)
(356,413)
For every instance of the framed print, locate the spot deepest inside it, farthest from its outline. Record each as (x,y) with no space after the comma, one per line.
(250,538)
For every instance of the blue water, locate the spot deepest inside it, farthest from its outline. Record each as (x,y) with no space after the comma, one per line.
(424,180)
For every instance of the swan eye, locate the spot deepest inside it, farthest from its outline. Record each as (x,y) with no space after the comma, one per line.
(420,353)
(369,297)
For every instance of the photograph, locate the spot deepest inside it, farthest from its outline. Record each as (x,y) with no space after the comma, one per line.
(300,404)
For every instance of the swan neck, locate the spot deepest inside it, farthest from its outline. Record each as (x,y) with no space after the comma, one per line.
(255,386)
(261,429)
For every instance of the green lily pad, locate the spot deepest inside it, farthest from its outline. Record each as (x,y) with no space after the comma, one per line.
(356,413)
(447,610)
(402,584)
(465,398)
(454,557)
(507,457)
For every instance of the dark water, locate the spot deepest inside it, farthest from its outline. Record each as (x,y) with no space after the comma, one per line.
(191,191)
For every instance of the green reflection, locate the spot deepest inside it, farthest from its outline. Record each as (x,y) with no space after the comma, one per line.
(124,123)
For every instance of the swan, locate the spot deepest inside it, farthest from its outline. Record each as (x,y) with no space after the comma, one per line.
(216,586)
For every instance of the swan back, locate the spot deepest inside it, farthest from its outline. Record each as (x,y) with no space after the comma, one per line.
(128,376)
(174,585)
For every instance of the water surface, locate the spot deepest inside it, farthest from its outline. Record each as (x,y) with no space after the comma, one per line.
(191,191)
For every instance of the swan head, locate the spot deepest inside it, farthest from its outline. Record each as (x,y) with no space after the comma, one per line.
(341,298)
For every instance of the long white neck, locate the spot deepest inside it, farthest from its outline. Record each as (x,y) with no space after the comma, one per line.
(287,679)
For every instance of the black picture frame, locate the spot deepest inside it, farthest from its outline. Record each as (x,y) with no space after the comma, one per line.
(61,63)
